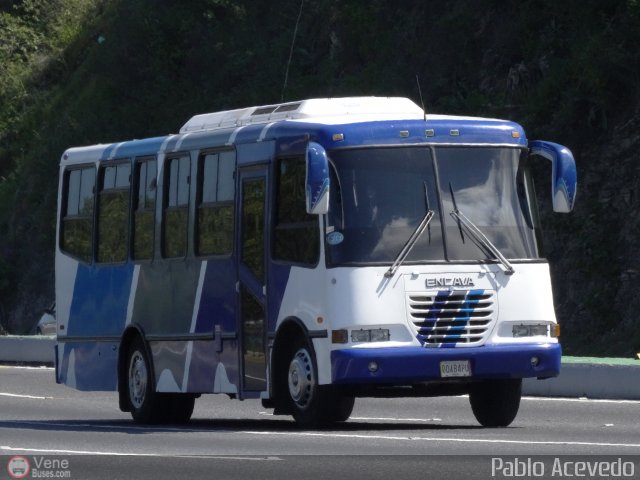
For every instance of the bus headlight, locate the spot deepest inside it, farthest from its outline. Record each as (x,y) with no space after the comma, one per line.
(530,330)
(370,335)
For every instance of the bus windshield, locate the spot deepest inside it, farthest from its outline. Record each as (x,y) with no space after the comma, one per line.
(380,195)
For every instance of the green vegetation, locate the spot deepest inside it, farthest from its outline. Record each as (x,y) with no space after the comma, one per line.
(75,72)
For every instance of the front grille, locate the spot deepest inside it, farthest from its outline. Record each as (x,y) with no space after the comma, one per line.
(452,318)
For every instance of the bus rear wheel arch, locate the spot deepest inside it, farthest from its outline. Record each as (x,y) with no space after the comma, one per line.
(143,402)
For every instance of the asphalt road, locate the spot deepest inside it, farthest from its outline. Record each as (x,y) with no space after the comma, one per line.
(385,438)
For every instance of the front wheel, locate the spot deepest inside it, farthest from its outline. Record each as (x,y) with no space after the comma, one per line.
(495,403)
(312,405)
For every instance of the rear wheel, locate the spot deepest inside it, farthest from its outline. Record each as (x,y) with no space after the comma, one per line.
(142,397)
(312,405)
(178,407)
(146,405)
(495,403)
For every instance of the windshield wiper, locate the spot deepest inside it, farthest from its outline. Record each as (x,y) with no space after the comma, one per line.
(482,239)
(424,223)
(410,244)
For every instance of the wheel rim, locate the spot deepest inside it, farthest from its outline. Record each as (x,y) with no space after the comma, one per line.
(301,379)
(138,379)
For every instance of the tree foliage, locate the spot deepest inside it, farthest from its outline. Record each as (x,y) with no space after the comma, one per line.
(77,72)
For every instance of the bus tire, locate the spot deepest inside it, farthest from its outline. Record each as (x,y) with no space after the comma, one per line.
(144,402)
(146,405)
(495,403)
(342,407)
(311,405)
(177,407)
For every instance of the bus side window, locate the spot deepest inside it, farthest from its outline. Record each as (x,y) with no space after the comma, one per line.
(216,191)
(176,207)
(144,208)
(297,235)
(77,219)
(113,213)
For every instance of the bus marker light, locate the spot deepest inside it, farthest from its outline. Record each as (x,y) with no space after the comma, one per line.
(404,133)
(515,134)
(338,137)
(535,361)
(339,336)
(373,366)
(555,330)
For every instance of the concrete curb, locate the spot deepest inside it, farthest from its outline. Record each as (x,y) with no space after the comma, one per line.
(27,349)
(591,380)
(606,378)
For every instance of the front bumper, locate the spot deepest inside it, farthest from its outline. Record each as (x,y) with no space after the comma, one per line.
(406,365)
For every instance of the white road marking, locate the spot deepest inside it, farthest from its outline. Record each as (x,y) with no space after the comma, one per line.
(130,454)
(35,397)
(581,399)
(8,448)
(446,439)
(163,429)
(392,419)
(119,428)
(379,419)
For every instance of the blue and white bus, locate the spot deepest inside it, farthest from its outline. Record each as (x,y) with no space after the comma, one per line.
(306,254)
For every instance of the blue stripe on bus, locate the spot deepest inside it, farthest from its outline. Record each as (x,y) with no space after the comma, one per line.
(354,134)
(90,366)
(387,132)
(100,300)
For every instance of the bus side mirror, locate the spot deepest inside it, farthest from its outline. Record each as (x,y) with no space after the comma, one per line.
(317,180)
(563,173)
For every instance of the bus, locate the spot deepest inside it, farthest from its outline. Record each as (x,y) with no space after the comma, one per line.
(308,253)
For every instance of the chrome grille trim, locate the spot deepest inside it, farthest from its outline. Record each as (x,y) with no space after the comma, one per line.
(449,318)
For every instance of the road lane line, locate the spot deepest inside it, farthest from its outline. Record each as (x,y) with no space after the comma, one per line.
(317,434)
(8,448)
(130,454)
(581,399)
(446,439)
(382,419)
(35,397)
(120,428)
(392,419)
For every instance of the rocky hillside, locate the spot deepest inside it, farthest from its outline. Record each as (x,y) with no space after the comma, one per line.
(76,72)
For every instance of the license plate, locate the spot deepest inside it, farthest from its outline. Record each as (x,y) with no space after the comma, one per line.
(455,368)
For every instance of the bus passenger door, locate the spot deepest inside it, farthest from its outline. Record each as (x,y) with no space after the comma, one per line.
(252,277)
